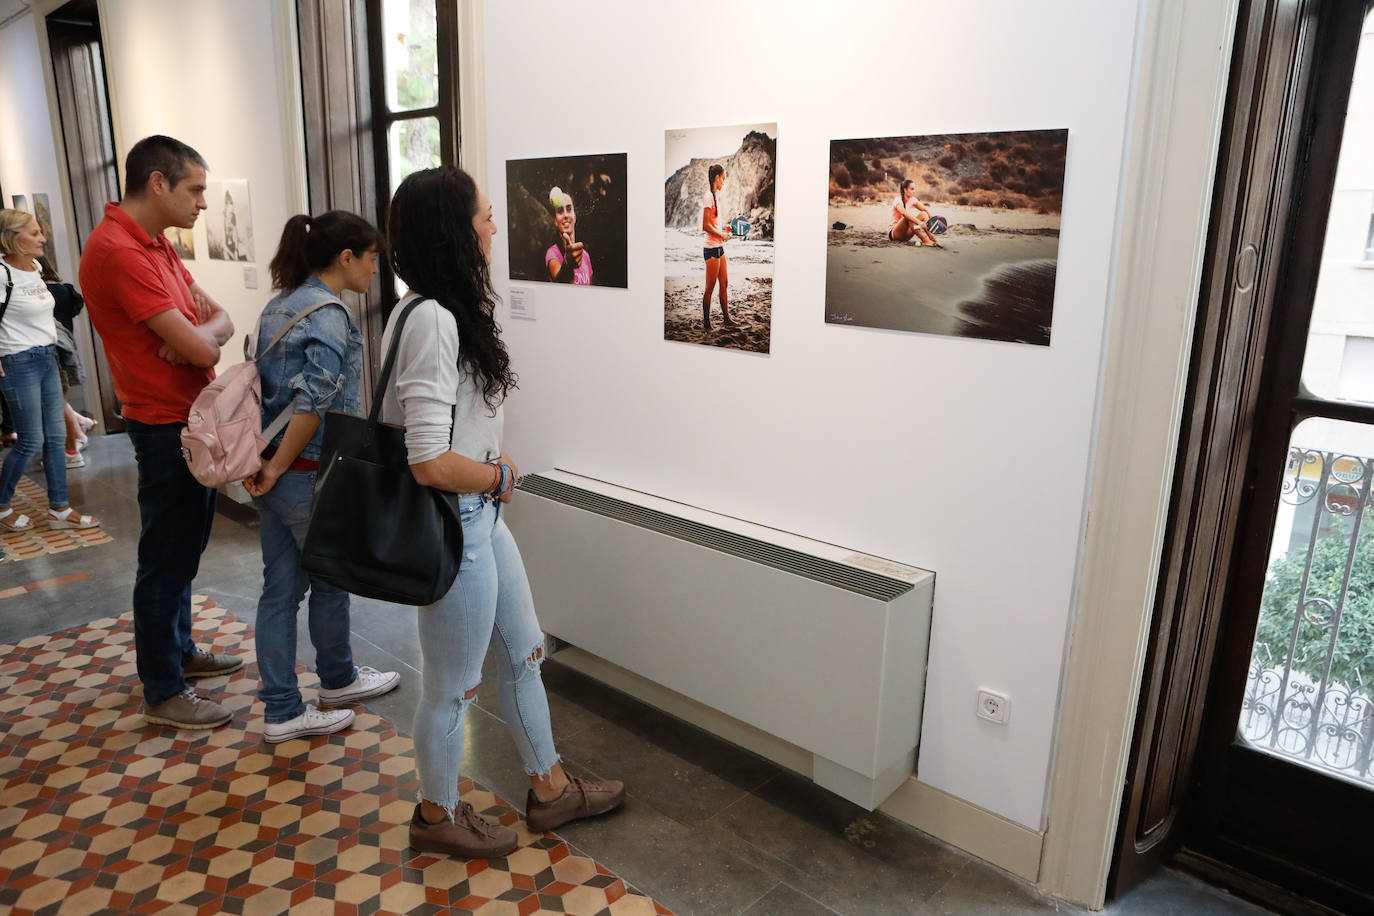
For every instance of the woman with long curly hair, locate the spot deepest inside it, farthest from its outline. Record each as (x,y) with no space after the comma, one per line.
(452,374)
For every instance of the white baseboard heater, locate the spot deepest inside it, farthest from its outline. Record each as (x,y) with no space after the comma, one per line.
(817,646)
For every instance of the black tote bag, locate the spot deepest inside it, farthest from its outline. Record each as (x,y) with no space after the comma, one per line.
(374,531)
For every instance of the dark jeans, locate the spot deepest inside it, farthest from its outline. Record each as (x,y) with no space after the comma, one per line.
(177,512)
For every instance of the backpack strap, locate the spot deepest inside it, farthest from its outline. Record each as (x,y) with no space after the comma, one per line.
(292,323)
(9,288)
(280,420)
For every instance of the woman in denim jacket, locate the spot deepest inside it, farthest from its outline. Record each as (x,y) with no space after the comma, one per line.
(316,367)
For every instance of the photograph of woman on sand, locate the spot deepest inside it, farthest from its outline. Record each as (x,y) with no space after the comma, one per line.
(568,220)
(952,234)
(718,236)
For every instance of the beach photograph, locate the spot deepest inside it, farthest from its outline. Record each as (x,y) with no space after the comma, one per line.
(954,234)
(719,188)
(567,220)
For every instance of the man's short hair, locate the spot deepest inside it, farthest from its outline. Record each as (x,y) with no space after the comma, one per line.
(158,154)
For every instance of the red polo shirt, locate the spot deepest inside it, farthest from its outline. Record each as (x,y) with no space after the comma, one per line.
(127,278)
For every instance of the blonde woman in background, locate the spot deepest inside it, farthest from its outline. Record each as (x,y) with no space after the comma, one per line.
(29,378)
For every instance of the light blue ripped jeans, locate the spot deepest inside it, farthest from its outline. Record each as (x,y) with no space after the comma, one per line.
(489,605)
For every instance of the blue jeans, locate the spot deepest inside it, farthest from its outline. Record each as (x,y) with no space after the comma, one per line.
(489,605)
(284,512)
(176,512)
(33,400)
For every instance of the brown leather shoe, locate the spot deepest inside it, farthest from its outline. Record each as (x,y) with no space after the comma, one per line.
(469,835)
(187,709)
(210,664)
(581,798)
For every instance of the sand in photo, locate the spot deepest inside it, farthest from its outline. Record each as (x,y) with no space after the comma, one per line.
(990,274)
(748,156)
(567,220)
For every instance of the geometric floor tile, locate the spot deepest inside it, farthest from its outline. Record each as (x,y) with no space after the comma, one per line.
(32,500)
(100,812)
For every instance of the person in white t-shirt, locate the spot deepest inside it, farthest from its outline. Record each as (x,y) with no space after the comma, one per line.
(713,252)
(29,379)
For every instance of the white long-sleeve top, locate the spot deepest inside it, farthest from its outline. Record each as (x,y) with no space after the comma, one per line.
(427,387)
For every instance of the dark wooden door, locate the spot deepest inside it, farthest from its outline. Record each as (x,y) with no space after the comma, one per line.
(1200,789)
(92,173)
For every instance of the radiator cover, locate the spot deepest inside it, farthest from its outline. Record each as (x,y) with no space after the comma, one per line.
(819,646)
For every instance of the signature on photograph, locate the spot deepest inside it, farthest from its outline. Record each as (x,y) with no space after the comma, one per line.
(841,316)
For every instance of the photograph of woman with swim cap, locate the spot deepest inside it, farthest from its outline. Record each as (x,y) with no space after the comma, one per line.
(562,211)
(567,259)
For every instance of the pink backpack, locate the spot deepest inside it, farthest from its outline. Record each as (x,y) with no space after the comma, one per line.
(224,439)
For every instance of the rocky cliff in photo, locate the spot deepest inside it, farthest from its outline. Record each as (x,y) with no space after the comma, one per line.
(748,189)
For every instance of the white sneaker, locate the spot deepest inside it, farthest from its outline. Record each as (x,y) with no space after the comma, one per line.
(311,722)
(76,459)
(369,683)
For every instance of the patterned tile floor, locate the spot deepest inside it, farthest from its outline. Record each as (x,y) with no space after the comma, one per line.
(32,500)
(100,812)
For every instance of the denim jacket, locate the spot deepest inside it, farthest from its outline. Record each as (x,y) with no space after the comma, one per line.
(317,366)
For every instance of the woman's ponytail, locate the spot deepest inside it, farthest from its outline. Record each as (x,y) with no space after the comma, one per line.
(290,266)
(309,244)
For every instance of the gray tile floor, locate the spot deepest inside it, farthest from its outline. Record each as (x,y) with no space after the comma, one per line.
(708,828)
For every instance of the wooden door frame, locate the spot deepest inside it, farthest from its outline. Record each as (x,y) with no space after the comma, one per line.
(1280,83)
(1230,779)
(345,142)
(1180,79)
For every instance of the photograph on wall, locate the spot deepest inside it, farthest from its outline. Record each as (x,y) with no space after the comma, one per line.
(21,203)
(228,221)
(718,194)
(183,242)
(42,212)
(952,234)
(567,220)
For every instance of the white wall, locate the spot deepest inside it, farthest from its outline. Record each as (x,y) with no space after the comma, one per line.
(965,457)
(29,160)
(216,76)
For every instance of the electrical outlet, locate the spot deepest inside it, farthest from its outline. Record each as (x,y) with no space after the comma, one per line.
(994,706)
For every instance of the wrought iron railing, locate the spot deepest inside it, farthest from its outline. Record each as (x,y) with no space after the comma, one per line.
(1309,692)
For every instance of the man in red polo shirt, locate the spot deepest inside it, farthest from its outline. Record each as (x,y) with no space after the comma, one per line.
(162,335)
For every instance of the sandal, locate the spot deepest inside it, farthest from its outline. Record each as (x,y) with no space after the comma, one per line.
(21,522)
(70,518)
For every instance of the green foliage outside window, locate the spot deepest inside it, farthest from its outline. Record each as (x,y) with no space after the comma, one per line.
(1352,663)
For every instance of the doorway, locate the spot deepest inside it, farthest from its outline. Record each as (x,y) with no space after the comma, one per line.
(1251,760)
(83,106)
